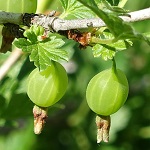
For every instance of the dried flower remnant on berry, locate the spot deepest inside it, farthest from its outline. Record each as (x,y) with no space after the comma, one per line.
(40,115)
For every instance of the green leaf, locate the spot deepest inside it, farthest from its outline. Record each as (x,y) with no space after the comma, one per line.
(112,2)
(74,9)
(121,45)
(102,37)
(113,22)
(108,8)
(42,51)
(120,29)
(108,50)
(101,51)
(31,36)
(23,44)
(147,34)
(122,3)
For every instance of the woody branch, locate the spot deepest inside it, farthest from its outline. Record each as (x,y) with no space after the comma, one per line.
(57,24)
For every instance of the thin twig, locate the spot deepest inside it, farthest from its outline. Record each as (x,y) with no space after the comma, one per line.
(10,61)
(139,15)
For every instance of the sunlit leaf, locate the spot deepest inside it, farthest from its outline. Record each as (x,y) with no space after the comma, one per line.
(41,51)
(74,9)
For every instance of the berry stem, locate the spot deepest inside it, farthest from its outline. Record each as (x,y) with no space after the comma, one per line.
(114,65)
(103,126)
(40,115)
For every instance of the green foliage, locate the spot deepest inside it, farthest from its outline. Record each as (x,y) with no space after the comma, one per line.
(105,44)
(117,26)
(105,53)
(71,125)
(42,51)
(113,8)
(105,48)
(74,9)
(23,6)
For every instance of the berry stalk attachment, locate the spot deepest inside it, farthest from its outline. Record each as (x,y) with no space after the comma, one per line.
(107,92)
(47,87)
(44,89)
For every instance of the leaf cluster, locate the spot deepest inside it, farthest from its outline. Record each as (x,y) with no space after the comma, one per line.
(42,48)
(105,42)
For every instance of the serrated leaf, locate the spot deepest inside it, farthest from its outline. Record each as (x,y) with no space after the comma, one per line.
(107,38)
(31,36)
(54,43)
(119,45)
(38,56)
(74,9)
(107,51)
(33,33)
(42,51)
(55,53)
(104,53)
(23,44)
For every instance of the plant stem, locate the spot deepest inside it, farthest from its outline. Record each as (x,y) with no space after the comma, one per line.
(114,65)
(10,61)
(60,24)
(6,17)
(100,41)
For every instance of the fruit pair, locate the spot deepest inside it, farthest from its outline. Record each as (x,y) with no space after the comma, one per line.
(106,92)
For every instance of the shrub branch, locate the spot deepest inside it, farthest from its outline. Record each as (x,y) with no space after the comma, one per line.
(54,23)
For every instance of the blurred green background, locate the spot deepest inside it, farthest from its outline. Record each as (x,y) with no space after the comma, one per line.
(71,124)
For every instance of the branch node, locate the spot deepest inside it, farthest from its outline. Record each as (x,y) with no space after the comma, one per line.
(90,24)
(46,21)
(27,19)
